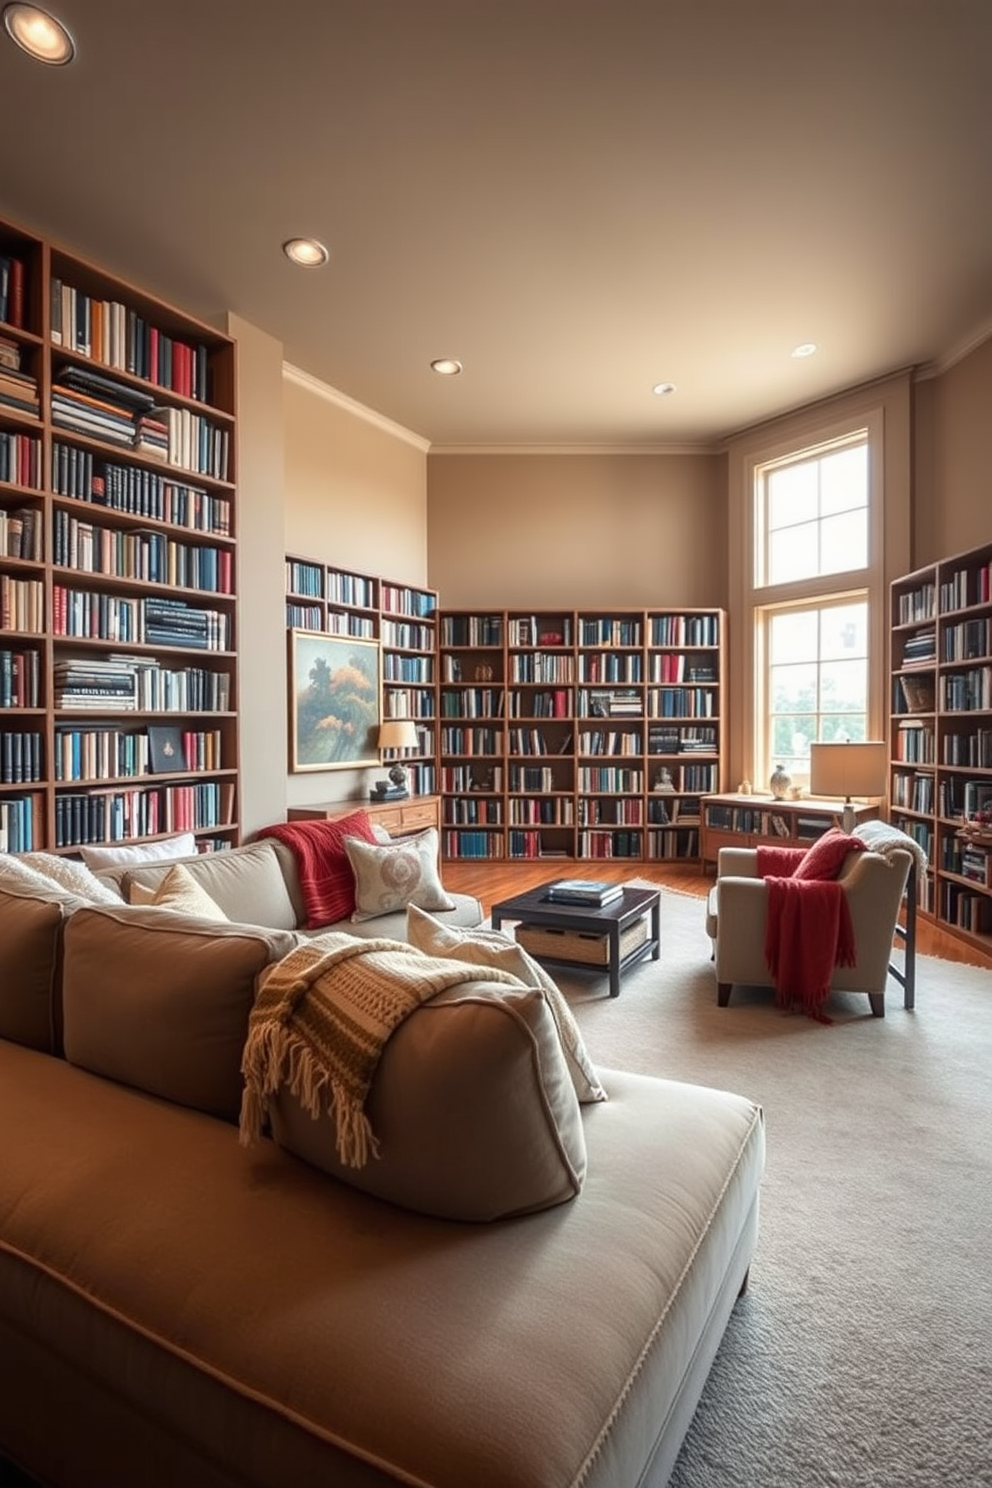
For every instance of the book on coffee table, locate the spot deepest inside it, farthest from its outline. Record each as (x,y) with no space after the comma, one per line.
(583,891)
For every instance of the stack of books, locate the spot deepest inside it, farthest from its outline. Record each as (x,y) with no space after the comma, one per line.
(584,892)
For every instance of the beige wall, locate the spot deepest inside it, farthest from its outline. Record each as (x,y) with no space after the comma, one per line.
(354,495)
(953,459)
(577,530)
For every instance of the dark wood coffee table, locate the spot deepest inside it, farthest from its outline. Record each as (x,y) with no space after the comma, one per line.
(534,908)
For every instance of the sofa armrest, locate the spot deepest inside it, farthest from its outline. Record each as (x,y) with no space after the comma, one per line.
(737,862)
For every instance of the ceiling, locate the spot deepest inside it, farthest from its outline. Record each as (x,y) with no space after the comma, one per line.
(578,200)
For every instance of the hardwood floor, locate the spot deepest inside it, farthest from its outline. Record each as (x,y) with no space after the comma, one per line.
(490,881)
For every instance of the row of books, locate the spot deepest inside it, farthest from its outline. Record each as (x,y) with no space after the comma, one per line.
(540,667)
(918,604)
(19,390)
(471,630)
(969,586)
(459,778)
(142,555)
(530,630)
(138,491)
(127,683)
(109,753)
(346,623)
(610,741)
(468,811)
(964,692)
(472,702)
(22,604)
(606,844)
(673,842)
(147,621)
(21,757)
(400,599)
(20,459)
(396,668)
(474,740)
(407,702)
(20,678)
(610,631)
(610,666)
(920,647)
(124,815)
(914,742)
(12,278)
(610,779)
(17,824)
(968,641)
(120,338)
(406,635)
(680,666)
(556,703)
(21,533)
(973,750)
(545,811)
(685,630)
(472,843)
(968,910)
(603,811)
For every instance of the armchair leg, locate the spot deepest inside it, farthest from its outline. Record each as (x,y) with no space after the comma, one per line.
(723,993)
(877,1000)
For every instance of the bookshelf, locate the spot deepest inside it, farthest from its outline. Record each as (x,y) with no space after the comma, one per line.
(940,736)
(402,618)
(585,734)
(118,574)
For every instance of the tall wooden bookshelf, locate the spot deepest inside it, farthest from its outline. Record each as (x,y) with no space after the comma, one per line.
(941,735)
(118,572)
(402,618)
(578,734)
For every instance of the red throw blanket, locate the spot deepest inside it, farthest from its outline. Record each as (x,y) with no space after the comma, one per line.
(808,931)
(779,862)
(327,882)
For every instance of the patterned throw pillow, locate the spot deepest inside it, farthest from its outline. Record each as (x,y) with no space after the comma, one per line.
(493,949)
(391,876)
(828,855)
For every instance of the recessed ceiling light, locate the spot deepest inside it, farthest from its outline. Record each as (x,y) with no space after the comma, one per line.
(39,34)
(662,389)
(306,252)
(446,366)
(805,349)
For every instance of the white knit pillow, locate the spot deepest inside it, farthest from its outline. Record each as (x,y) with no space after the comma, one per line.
(63,873)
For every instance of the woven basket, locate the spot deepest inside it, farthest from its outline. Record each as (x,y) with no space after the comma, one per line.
(918,694)
(584,946)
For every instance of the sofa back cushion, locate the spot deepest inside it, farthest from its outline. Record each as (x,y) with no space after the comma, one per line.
(160,1000)
(32,918)
(247,883)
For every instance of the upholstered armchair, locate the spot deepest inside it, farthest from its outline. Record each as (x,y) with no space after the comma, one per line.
(873,883)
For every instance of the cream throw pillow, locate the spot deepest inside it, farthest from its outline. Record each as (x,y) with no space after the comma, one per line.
(178,891)
(394,875)
(183,845)
(490,948)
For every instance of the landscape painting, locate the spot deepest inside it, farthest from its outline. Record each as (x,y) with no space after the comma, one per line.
(334,702)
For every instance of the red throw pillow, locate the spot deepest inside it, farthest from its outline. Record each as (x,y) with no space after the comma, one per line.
(828,854)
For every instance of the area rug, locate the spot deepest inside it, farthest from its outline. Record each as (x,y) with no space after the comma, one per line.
(861,1357)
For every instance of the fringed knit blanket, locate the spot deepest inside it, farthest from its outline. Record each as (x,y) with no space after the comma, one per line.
(808,931)
(321,1021)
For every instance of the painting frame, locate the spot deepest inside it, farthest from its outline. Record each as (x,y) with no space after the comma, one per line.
(335,701)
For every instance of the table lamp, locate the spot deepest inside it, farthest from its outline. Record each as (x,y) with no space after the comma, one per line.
(395,733)
(848,770)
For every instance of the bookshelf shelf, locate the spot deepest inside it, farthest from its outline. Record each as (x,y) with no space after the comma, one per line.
(940,734)
(123,615)
(573,726)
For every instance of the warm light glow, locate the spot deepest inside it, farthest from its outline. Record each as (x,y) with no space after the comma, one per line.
(39,34)
(306,252)
(847,770)
(446,366)
(805,349)
(398,733)
(662,389)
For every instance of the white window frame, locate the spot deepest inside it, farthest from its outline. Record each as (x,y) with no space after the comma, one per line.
(868,582)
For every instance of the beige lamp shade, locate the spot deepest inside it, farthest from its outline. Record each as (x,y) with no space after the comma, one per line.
(398,733)
(848,770)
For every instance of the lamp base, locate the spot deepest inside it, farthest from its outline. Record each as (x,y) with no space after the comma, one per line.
(848,820)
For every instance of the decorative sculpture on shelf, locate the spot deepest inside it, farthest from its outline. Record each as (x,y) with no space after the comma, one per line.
(780,782)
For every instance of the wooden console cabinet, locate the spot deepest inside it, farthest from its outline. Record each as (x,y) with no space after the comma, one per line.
(749,821)
(398,817)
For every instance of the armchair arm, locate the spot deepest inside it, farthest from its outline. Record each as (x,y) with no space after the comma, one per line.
(739,948)
(737,862)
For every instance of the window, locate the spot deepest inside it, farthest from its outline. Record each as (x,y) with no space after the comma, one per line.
(813,514)
(817,673)
(814,599)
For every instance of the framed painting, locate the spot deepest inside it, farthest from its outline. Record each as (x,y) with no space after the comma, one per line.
(334,705)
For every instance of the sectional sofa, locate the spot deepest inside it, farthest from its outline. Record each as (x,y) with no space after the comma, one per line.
(179,1307)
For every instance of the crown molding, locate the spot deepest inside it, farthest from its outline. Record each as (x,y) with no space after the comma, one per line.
(574,449)
(320,389)
(957,353)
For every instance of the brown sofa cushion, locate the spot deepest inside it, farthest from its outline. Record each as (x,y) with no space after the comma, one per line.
(161,1001)
(32,918)
(472,1106)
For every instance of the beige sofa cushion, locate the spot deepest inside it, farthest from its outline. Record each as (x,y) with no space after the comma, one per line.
(247,883)
(161,1001)
(32,917)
